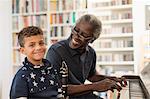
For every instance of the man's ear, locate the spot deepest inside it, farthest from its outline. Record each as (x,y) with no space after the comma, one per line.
(92,40)
(22,50)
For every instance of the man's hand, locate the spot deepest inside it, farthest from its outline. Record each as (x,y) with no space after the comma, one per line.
(121,80)
(105,85)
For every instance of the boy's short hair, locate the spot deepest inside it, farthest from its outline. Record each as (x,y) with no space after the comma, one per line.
(27,32)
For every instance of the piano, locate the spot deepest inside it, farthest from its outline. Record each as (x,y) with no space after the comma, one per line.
(136,88)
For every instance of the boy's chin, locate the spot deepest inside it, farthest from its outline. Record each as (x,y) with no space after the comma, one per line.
(38,59)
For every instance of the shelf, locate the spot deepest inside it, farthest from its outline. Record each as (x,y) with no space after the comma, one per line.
(68,11)
(62,11)
(29,14)
(116,63)
(119,21)
(101,50)
(58,25)
(118,35)
(58,38)
(116,7)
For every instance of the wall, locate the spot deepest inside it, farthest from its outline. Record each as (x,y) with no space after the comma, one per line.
(5,48)
(139,29)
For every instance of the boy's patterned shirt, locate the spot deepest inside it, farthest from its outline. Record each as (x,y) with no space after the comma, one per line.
(34,81)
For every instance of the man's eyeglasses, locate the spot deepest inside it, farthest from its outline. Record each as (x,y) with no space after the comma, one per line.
(81,34)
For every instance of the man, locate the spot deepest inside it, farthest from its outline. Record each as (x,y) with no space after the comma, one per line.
(81,60)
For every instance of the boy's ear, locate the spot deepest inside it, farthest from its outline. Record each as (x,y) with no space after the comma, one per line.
(22,50)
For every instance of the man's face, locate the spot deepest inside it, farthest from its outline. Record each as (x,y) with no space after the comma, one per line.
(34,48)
(81,35)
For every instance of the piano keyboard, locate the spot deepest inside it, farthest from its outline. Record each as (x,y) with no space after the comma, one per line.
(134,90)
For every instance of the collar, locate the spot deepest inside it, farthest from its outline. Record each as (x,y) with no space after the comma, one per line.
(32,66)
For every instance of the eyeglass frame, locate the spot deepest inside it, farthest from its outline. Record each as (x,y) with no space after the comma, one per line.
(80,34)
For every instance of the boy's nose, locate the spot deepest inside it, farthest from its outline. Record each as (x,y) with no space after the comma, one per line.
(38,46)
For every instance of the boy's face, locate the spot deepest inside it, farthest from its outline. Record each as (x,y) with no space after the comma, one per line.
(34,48)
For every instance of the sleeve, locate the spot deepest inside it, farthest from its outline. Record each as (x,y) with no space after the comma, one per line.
(54,58)
(93,67)
(19,87)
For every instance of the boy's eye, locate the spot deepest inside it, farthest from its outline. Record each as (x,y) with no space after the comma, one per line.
(31,45)
(41,43)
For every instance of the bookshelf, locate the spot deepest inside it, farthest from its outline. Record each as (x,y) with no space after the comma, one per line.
(62,16)
(27,13)
(115,47)
(54,17)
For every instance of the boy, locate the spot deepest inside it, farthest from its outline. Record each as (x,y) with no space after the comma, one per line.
(36,79)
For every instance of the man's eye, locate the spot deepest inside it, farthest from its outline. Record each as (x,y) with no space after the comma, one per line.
(84,35)
(76,29)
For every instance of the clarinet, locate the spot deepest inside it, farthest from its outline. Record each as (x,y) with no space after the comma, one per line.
(64,79)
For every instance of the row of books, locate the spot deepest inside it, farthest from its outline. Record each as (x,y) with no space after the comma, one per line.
(81,4)
(62,31)
(15,40)
(120,2)
(28,6)
(62,5)
(116,16)
(62,18)
(118,29)
(111,57)
(59,5)
(109,43)
(23,21)
(121,15)
(95,4)
(15,22)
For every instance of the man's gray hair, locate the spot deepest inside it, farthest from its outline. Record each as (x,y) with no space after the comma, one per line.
(94,22)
